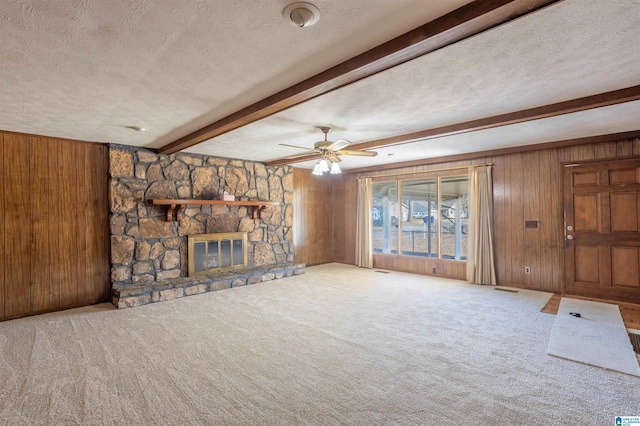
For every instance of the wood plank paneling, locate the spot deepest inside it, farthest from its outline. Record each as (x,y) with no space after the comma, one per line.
(544,271)
(312,225)
(56,273)
(17,222)
(67,181)
(624,149)
(531,208)
(499,215)
(339,217)
(40,224)
(604,151)
(82,195)
(344,219)
(53,217)
(419,265)
(97,231)
(553,243)
(103,165)
(2,215)
(515,223)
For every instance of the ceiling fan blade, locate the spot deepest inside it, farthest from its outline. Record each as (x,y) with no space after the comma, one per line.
(338,145)
(358,153)
(301,157)
(334,158)
(294,146)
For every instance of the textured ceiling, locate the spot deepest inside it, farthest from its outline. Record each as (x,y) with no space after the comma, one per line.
(87,69)
(572,49)
(618,118)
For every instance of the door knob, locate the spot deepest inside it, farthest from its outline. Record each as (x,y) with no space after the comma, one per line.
(569,228)
(569,237)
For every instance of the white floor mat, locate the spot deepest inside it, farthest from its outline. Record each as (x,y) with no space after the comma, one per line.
(598,337)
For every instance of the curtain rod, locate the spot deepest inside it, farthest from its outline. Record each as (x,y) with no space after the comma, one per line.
(426,171)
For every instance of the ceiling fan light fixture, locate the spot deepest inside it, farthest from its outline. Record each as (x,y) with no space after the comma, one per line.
(301,15)
(330,152)
(323,165)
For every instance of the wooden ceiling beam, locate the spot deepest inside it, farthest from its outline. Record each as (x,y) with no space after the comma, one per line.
(615,97)
(500,151)
(464,22)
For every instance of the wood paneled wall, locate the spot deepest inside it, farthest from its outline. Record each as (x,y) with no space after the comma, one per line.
(53,224)
(345,197)
(418,265)
(313,204)
(527,186)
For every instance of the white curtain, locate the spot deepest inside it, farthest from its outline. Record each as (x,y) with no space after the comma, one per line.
(480,255)
(364,255)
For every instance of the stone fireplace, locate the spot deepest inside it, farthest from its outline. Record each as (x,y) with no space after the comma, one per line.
(148,248)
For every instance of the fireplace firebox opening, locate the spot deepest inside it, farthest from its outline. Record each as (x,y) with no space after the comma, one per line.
(209,253)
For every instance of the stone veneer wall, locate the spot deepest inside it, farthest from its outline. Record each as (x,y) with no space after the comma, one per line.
(146,248)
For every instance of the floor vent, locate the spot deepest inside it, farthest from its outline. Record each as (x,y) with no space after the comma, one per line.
(383,272)
(510,290)
(635,342)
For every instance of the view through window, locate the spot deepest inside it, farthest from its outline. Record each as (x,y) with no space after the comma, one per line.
(430,221)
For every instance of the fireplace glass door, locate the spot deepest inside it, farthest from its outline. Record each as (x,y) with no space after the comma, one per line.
(217,252)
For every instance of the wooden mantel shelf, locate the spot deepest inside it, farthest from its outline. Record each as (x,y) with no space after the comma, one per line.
(256,206)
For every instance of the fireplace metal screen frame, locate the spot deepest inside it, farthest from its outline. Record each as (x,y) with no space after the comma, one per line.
(232,237)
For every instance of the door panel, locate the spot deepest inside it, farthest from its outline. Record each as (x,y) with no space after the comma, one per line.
(587,259)
(602,220)
(586,212)
(586,178)
(624,176)
(625,263)
(624,212)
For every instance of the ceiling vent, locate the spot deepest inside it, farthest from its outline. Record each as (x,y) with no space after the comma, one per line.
(301,15)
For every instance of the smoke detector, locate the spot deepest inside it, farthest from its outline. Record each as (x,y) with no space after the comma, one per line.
(301,15)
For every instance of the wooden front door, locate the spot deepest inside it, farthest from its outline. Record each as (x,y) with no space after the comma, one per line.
(602,230)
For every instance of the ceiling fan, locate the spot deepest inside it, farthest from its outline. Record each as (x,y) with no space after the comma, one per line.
(331,152)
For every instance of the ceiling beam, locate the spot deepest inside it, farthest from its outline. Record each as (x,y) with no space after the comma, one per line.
(500,151)
(464,22)
(628,94)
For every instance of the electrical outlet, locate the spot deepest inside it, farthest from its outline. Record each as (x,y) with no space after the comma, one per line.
(527,270)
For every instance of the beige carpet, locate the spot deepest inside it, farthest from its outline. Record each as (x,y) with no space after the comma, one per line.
(338,345)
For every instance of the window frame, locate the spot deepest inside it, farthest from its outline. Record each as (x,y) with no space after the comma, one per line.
(398,179)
